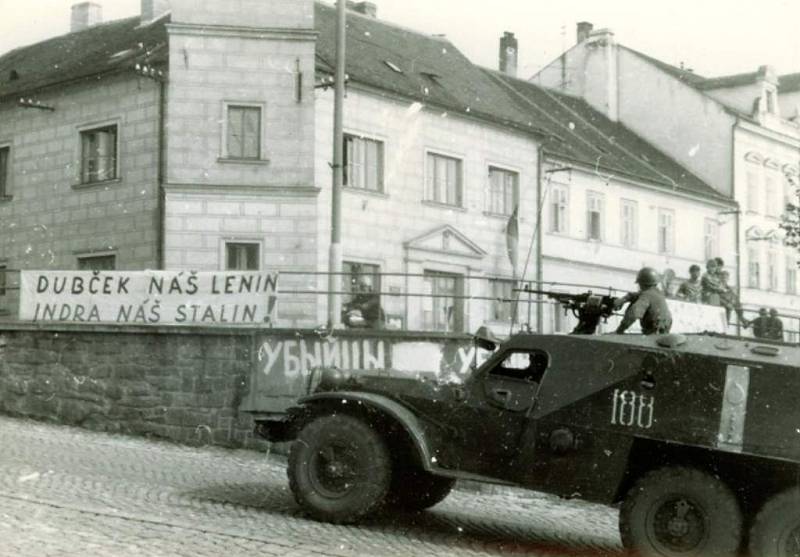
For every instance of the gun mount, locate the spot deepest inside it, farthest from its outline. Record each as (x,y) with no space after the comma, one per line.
(588,307)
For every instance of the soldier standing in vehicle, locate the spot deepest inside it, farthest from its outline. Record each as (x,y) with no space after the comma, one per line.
(774,325)
(649,306)
(761,324)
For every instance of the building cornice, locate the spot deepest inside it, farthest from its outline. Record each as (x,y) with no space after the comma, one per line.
(275,33)
(299,190)
(793,142)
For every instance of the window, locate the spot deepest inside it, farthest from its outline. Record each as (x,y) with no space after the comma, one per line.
(771,203)
(244,132)
(629,223)
(772,270)
(594,216)
(791,275)
(752,191)
(444,310)
(97,263)
(99,154)
(502,302)
(4,171)
(559,209)
(710,238)
(242,256)
(356,273)
(753,268)
(363,163)
(666,231)
(503,186)
(443,182)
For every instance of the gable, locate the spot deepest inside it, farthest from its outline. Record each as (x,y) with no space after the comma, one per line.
(446,240)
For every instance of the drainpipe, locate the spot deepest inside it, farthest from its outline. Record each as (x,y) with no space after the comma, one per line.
(539,257)
(161,228)
(736,224)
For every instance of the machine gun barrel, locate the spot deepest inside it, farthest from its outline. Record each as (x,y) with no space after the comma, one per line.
(589,308)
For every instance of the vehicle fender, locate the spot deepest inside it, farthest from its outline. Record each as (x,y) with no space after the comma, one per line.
(413,426)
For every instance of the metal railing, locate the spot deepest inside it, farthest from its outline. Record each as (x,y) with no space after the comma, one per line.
(409,301)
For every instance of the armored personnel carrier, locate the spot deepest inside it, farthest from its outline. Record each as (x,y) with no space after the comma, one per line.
(695,437)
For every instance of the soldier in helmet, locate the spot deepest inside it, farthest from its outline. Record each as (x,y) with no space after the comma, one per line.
(648,306)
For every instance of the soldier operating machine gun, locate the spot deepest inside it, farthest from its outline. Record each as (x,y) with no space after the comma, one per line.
(588,307)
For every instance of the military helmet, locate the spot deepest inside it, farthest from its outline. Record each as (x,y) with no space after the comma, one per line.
(647,276)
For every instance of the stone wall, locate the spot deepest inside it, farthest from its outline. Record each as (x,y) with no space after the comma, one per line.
(193,384)
(180,384)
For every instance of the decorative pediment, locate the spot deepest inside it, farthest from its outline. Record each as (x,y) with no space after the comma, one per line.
(757,234)
(790,169)
(772,163)
(448,240)
(752,156)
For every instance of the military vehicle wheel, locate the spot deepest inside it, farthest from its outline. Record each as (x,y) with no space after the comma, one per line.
(680,511)
(414,489)
(339,469)
(776,529)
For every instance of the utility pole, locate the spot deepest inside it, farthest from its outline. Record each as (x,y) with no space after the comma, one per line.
(335,254)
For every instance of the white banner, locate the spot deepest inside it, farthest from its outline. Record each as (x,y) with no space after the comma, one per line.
(217,298)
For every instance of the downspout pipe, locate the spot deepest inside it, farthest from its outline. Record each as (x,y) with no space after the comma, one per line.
(539,255)
(737,214)
(162,132)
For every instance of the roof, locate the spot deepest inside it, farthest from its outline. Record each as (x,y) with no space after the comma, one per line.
(393,59)
(580,133)
(429,69)
(96,50)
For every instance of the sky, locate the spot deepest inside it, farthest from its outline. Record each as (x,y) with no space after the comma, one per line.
(713,37)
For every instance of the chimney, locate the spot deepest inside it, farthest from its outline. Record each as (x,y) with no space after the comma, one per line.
(508,54)
(583,30)
(153,9)
(85,15)
(365,8)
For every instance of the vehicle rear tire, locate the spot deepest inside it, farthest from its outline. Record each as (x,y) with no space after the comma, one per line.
(680,511)
(339,469)
(776,528)
(414,489)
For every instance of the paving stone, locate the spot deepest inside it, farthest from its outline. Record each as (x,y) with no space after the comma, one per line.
(71,492)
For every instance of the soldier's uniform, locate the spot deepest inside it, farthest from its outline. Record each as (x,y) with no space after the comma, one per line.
(649,306)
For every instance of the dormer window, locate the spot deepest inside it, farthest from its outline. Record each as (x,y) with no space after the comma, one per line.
(770,100)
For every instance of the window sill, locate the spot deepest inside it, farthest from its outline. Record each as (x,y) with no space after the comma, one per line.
(228,160)
(496,215)
(90,185)
(362,191)
(438,205)
(6,198)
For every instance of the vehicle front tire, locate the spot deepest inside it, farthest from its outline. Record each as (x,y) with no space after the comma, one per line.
(339,469)
(680,511)
(776,529)
(414,489)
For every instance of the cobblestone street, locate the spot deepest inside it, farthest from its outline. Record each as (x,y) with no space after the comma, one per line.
(69,492)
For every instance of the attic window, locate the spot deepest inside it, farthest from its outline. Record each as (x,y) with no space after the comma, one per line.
(13,75)
(393,66)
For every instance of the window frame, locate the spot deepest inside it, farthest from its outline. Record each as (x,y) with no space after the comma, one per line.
(459,316)
(82,257)
(381,163)
(771,195)
(668,248)
(772,270)
(505,211)
(559,205)
(710,236)
(83,131)
(753,184)
(430,156)
(791,274)
(753,267)
(5,171)
(633,241)
(599,197)
(242,242)
(225,155)
(496,306)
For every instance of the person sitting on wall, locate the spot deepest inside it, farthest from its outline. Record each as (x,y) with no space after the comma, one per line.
(364,310)
(711,285)
(691,290)
(729,299)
